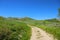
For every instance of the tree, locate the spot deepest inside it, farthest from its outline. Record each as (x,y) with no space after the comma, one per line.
(59,13)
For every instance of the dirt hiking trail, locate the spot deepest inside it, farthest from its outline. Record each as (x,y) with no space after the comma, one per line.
(39,34)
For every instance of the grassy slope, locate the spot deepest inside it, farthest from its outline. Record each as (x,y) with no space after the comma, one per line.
(15,26)
(14,30)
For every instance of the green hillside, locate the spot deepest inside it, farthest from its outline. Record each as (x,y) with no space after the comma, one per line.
(17,29)
(13,30)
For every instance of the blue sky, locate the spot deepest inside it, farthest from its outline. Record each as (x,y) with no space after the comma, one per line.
(37,9)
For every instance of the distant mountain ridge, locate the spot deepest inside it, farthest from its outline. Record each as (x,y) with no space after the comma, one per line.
(26,18)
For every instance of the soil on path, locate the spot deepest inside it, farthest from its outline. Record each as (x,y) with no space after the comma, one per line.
(39,34)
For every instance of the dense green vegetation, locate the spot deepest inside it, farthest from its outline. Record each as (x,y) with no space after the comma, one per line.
(13,30)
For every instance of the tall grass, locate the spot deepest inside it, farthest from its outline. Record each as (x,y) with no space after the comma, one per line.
(14,30)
